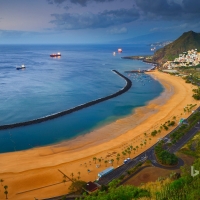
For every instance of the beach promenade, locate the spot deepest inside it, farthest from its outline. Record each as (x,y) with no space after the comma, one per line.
(34,173)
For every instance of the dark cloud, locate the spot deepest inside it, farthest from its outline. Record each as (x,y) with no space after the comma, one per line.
(104,19)
(55,1)
(159,8)
(80,2)
(169,9)
(191,6)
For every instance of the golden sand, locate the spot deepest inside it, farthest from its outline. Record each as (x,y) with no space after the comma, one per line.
(35,172)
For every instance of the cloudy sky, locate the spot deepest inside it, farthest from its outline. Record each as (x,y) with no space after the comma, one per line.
(95,21)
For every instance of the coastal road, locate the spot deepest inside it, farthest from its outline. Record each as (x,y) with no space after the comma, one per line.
(149,154)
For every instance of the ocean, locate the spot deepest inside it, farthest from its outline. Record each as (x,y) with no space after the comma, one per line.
(49,85)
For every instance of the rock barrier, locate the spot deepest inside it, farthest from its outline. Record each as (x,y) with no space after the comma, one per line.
(71,110)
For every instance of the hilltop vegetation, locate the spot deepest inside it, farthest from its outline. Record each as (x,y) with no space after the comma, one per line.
(189,40)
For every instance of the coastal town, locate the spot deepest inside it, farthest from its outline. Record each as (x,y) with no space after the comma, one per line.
(186,59)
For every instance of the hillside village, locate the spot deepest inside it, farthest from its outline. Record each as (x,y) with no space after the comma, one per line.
(187,59)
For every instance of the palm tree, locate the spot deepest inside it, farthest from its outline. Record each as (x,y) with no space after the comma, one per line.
(106,162)
(1,180)
(95,159)
(99,160)
(124,154)
(145,143)
(64,176)
(118,155)
(72,175)
(145,134)
(134,149)
(64,181)
(79,173)
(137,148)
(141,145)
(149,140)
(118,158)
(112,160)
(6,192)
(129,152)
(174,118)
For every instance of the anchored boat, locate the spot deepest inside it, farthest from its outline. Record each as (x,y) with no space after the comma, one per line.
(21,67)
(55,54)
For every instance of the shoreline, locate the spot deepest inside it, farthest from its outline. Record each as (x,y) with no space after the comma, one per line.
(39,166)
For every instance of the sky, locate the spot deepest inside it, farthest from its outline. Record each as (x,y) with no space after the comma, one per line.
(96,21)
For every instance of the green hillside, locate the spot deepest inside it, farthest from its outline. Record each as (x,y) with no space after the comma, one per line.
(187,41)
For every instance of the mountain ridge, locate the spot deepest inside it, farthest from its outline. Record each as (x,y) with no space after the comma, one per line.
(187,41)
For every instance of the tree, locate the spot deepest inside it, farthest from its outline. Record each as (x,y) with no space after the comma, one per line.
(77,187)
(99,160)
(72,175)
(137,148)
(124,154)
(64,181)
(145,134)
(141,145)
(112,160)
(79,173)
(134,149)
(129,153)
(1,180)
(106,162)
(118,158)
(94,159)
(6,192)
(149,140)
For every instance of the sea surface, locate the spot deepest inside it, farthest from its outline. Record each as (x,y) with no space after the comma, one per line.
(49,85)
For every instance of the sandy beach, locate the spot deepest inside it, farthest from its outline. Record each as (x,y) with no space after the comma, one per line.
(35,172)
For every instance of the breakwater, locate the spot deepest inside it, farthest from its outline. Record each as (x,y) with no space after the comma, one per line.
(141,71)
(71,110)
(146,59)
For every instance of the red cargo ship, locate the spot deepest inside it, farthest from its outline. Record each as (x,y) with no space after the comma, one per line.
(119,50)
(55,54)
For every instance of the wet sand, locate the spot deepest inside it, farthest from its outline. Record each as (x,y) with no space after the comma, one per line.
(34,173)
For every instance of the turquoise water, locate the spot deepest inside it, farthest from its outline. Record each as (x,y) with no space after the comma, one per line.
(50,85)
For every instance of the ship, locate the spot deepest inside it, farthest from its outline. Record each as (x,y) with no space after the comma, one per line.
(55,54)
(21,67)
(119,50)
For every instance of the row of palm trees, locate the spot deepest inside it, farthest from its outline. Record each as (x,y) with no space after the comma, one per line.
(127,151)
(5,188)
(72,175)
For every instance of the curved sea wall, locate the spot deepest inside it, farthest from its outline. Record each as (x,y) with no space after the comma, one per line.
(71,110)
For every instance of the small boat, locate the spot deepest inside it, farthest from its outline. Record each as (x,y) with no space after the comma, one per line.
(55,54)
(21,67)
(114,53)
(119,50)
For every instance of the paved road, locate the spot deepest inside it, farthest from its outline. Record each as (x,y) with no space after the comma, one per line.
(149,154)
